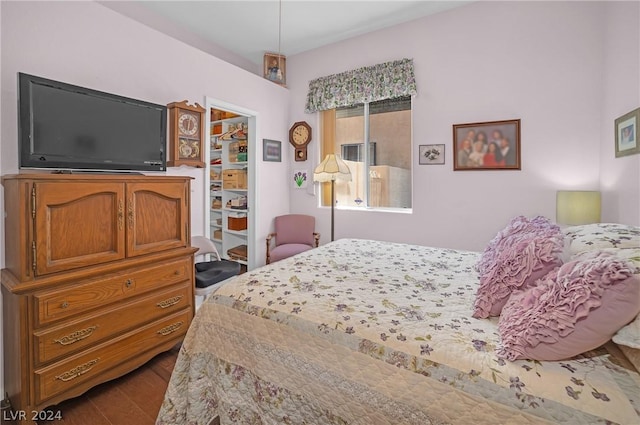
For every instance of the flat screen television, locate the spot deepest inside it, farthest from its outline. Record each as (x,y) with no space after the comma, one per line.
(67,127)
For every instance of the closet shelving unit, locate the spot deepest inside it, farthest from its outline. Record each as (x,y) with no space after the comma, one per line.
(228,221)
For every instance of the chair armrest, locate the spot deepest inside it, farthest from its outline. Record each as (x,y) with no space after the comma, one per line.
(217,254)
(316,236)
(269,237)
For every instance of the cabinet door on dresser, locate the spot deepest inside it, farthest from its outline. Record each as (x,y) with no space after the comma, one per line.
(77,224)
(157,217)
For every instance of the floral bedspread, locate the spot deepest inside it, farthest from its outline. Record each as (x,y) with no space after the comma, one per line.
(369,332)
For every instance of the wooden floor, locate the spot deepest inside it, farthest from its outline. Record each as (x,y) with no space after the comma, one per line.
(133,399)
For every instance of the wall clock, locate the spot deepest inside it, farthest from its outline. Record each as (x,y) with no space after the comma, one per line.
(186,134)
(299,137)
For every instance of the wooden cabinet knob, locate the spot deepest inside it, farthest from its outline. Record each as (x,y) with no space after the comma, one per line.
(64,304)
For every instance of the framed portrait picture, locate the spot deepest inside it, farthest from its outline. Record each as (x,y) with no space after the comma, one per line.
(627,134)
(275,68)
(271,150)
(431,154)
(492,145)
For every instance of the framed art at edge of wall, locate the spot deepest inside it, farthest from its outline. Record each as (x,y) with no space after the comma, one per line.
(431,154)
(491,145)
(271,150)
(275,68)
(626,128)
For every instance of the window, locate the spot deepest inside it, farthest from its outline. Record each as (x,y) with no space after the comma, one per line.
(374,139)
(355,152)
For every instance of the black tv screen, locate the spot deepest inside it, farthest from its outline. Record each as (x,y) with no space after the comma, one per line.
(64,126)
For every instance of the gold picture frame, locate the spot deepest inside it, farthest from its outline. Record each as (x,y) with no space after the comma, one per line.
(275,68)
(626,129)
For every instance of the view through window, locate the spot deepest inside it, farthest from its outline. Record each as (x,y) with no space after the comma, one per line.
(375,142)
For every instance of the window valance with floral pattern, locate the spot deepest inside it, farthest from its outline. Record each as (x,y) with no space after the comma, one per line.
(369,84)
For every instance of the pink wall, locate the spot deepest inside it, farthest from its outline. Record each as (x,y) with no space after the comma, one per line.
(620,177)
(537,61)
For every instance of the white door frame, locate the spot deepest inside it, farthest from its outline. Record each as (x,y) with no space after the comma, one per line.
(252,193)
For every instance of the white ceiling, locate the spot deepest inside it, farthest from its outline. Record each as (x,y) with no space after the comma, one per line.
(248,29)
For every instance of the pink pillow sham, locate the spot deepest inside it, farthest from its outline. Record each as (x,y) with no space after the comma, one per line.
(517,226)
(575,308)
(518,261)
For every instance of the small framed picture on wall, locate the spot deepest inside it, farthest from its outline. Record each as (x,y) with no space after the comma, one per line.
(275,68)
(300,180)
(431,154)
(271,150)
(627,134)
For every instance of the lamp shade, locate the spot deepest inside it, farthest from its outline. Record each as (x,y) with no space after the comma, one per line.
(332,168)
(577,207)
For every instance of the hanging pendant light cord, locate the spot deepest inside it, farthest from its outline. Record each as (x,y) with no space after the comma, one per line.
(279,33)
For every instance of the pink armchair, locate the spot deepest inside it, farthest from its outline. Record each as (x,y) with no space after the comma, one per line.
(294,233)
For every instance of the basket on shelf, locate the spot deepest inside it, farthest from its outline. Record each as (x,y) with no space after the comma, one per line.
(238,253)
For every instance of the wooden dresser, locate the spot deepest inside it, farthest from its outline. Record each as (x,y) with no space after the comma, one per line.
(98,280)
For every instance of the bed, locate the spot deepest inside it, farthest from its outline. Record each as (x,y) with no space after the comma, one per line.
(369,332)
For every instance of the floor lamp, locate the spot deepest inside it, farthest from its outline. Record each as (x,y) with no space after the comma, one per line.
(332,168)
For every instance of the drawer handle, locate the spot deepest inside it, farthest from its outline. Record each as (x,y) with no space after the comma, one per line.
(64,304)
(78,370)
(170,329)
(128,283)
(169,302)
(76,336)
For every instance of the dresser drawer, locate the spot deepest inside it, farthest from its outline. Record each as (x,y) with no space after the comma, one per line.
(67,374)
(52,343)
(79,298)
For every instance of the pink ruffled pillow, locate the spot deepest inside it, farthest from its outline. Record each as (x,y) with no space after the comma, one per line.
(575,308)
(521,260)
(517,226)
